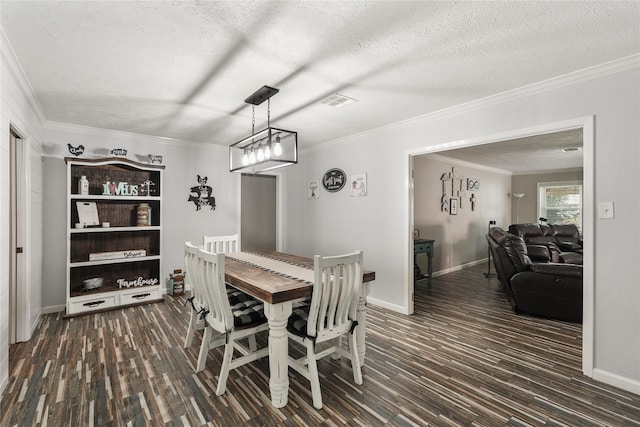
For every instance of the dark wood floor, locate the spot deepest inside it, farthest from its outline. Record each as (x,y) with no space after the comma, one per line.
(463,359)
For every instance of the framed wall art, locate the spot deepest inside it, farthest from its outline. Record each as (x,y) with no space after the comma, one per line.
(473,184)
(358,185)
(453,206)
(313,189)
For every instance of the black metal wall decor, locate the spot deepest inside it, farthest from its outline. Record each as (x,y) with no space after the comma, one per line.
(334,180)
(202,195)
(76,151)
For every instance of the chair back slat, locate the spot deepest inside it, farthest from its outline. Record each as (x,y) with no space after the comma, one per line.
(212,273)
(334,300)
(191,271)
(221,244)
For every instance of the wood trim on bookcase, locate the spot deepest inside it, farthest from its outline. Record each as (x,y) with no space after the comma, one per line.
(106,160)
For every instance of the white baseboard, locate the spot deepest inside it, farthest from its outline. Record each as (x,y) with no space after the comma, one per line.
(615,380)
(52,309)
(384,304)
(459,267)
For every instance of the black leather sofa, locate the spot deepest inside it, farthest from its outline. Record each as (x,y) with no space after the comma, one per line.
(552,290)
(562,241)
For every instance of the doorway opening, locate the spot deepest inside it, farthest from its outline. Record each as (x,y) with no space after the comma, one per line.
(258,216)
(587,126)
(17,226)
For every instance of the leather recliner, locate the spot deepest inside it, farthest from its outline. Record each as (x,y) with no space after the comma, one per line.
(552,290)
(562,241)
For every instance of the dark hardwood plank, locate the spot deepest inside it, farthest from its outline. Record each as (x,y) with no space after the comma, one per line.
(464,359)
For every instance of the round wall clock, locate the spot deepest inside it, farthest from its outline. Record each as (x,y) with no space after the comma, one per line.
(333,180)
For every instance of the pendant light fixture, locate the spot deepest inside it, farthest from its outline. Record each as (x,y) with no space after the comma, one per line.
(268,149)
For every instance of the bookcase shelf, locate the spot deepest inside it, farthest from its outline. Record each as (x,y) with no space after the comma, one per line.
(125,251)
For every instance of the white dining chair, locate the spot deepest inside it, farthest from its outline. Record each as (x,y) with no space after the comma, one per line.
(330,315)
(223,244)
(196,319)
(227,322)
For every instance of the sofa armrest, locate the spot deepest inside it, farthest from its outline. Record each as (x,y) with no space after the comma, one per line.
(538,253)
(555,269)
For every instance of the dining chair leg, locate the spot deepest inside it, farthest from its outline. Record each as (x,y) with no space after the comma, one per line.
(355,358)
(224,368)
(337,342)
(314,379)
(191,330)
(361,317)
(204,348)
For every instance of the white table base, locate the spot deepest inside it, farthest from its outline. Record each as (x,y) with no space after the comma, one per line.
(278,315)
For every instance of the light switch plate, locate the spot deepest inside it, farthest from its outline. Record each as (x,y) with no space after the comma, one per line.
(605,210)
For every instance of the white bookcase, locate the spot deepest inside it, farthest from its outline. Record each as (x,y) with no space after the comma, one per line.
(126,247)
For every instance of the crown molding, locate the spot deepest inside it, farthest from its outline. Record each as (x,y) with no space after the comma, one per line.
(14,67)
(576,77)
(548,171)
(109,133)
(471,165)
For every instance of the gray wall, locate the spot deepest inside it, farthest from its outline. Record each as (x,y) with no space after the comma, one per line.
(528,185)
(459,239)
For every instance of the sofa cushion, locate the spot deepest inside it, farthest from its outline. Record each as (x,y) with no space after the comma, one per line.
(538,253)
(526,231)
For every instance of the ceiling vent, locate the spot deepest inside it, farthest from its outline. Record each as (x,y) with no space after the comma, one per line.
(568,149)
(337,100)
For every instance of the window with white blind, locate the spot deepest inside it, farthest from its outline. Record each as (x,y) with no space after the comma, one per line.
(561,202)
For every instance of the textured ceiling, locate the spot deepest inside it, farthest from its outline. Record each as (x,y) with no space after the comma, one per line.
(182,69)
(530,154)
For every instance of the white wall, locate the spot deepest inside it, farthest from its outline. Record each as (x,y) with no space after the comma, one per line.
(20,112)
(181,222)
(459,239)
(336,222)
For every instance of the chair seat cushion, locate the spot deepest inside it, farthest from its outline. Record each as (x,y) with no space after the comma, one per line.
(247,311)
(298,319)
(236,296)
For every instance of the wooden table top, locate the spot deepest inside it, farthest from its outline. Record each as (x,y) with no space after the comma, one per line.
(272,287)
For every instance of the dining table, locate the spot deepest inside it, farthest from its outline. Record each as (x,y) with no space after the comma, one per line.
(279,280)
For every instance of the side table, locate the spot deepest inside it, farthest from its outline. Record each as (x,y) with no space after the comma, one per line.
(423,246)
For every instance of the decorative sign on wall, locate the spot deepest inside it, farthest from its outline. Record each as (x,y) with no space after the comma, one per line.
(119,152)
(334,180)
(473,184)
(314,186)
(358,185)
(202,194)
(452,201)
(155,159)
(76,151)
